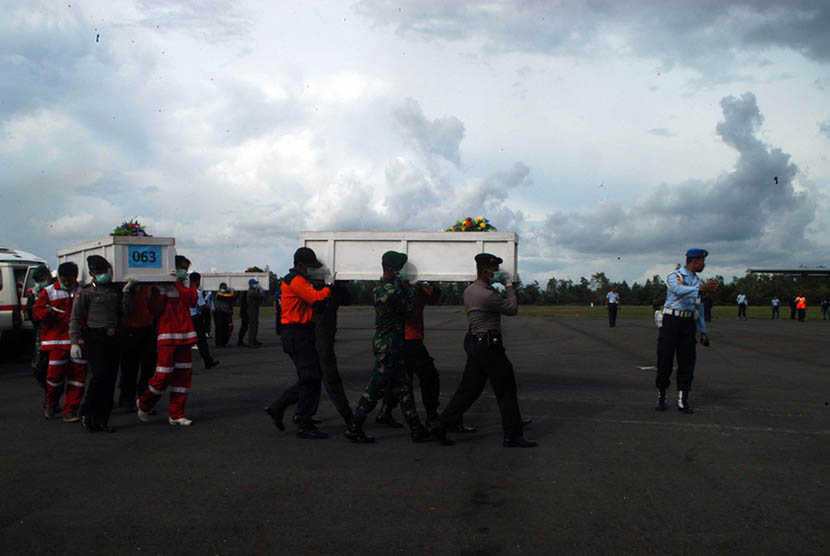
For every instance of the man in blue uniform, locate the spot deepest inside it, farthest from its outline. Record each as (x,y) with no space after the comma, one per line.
(682,319)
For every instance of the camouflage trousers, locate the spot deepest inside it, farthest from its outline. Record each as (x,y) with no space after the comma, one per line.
(389,373)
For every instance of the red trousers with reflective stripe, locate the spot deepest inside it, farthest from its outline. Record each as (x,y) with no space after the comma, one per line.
(63,368)
(174,368)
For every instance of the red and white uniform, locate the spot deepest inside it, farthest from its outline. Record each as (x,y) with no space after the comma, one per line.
(176,335)
(53,309)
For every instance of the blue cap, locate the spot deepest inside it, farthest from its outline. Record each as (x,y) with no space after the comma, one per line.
(697,253)
(251,281)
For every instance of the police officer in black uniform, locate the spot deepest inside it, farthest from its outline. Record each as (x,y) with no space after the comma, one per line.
(486,356)
(96,316)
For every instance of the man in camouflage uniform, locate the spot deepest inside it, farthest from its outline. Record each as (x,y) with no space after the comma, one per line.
(40,363)
(394,303)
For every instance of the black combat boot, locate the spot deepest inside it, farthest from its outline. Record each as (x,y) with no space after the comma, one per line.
(419,434)
(354,431)
(661,401)
(309,430)
(683,402)
(275,411)
(384,417)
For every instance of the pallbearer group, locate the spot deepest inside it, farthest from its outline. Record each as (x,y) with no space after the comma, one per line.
(149,331)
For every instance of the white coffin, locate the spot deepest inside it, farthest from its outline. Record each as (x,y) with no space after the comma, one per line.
(236,280)
(433,256)
(148,259)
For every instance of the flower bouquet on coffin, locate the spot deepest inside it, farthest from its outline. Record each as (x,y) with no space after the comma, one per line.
(470,224)
(130,227)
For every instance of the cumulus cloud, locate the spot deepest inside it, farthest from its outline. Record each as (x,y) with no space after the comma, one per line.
(742,211)
(441,136)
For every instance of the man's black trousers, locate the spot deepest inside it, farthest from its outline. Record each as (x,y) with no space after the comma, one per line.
(612,314)
(676,337)
(298,343)
(201,338)
(742,310)
(103,353)
(419,362)
(775,312)
(222,320)
(486,361)
(138,350)
(330,373)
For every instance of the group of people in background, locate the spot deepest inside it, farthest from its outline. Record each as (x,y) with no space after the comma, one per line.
(143,332)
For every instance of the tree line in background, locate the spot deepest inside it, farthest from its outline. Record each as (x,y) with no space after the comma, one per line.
(759,288)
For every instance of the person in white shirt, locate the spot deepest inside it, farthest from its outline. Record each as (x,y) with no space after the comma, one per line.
(612,299)
(742,303)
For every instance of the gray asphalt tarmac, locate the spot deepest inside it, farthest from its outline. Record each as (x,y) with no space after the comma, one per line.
(748,473)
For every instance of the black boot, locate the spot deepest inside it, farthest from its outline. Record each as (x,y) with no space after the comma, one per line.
(683,402)
(661,401)
(309,430)
(384,417)
(354,432)
(419,434)
(275,411)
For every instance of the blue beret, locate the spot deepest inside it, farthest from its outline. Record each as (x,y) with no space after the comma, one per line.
(697,253)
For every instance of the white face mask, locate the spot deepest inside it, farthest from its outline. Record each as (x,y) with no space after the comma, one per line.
(318,273)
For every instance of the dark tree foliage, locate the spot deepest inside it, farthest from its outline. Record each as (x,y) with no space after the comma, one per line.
(760,289)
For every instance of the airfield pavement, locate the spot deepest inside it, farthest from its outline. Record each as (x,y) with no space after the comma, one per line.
(748,473)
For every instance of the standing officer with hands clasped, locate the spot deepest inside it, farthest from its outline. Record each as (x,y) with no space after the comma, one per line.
(682,319)
(486,358)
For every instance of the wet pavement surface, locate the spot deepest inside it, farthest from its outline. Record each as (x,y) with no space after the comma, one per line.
(748,473)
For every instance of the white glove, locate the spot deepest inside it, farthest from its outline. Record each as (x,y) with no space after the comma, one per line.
(75,352)
(499,288)
(131,281)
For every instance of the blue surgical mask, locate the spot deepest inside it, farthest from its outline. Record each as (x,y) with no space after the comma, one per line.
(103,278)
(497,276)
(402,274)
(42,285)
(181,273)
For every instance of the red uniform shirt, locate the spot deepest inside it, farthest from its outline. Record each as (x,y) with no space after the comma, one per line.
(175,327)
(54,331)
(415,325)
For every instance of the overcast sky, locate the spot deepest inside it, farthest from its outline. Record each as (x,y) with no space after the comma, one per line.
(610,135)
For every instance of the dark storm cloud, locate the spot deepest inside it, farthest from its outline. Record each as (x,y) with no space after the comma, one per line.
(744,210)
(705,34)
(441,136)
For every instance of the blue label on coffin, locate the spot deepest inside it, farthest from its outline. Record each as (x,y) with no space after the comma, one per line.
(145,256)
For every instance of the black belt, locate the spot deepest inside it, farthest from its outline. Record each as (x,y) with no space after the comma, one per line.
(488,338)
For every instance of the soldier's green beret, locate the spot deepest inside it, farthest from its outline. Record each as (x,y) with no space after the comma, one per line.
(393,259)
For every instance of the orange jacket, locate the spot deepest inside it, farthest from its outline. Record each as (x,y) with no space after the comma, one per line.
(801,302)
(298,296)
